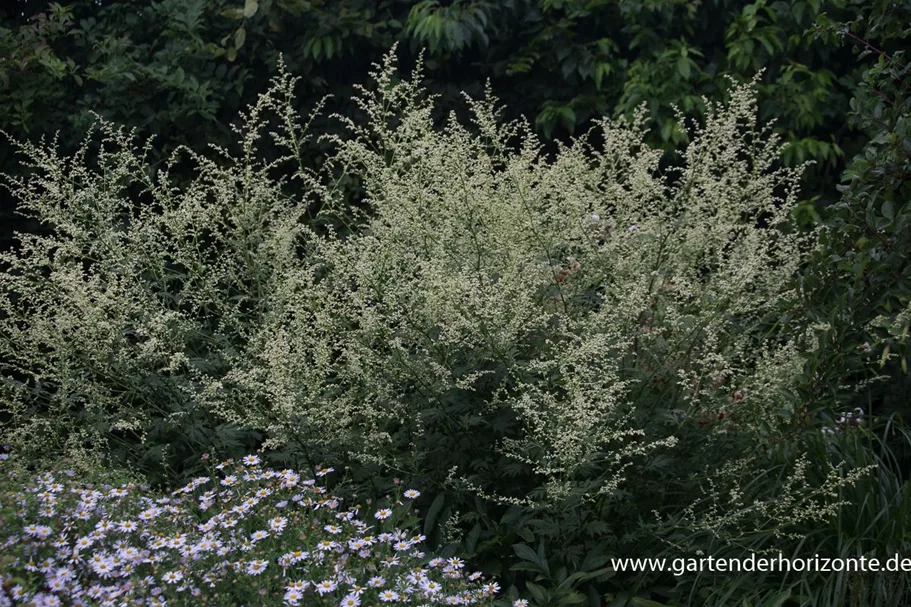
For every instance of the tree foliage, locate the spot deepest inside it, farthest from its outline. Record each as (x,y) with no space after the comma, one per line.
(859,284)
(182,69)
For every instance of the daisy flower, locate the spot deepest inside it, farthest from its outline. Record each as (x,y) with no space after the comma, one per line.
(325,586)
(412,494)
(172,577)
(383,514)
(256,567)
(389,596)
(352,600)
(293,596)
(298,585)
(251,460)
(127,526)
(491,588)
(148,515)
(278,524)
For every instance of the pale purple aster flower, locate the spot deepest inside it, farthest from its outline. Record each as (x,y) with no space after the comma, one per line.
(256,567)
(383,514)
(389,596)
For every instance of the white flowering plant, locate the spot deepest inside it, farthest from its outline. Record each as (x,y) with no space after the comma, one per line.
(558,347)
(247,535)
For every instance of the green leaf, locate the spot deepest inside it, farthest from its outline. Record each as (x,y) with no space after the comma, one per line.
(471,542)
(525,552)
(573,598)
(567,117)
(640,602)
(233,13)
(433,513)
(683,67)
(584,576)
(599,75)
(316,48)
(240,36)
(537,592)
(527,534)
(526,566)
(889,210)
(250,8)
(780,599)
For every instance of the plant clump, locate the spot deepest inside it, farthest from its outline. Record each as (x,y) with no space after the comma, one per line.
(245,535)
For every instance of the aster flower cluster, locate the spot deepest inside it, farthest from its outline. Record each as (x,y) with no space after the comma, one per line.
(246,536)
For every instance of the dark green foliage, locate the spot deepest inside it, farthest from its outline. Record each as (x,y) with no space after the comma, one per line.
(182,69)
(860,283)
